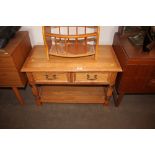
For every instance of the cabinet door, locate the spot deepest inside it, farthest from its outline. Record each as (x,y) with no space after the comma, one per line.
(135,78)
(150,84)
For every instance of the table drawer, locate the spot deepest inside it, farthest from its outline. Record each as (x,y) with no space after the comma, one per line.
(50,77)
(95,77)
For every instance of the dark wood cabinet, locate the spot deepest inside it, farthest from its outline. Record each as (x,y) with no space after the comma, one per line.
(138,74)
(12,58)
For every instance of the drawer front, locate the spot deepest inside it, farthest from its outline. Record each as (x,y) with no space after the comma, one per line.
(90,77)
(51,77)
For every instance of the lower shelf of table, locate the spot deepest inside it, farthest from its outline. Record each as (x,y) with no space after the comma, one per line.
(72,94)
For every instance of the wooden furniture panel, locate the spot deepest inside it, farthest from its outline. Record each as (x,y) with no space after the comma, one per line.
(84,80)
(138,68)
(72,94)
(105,60)
(91,77)
(51,77)
(12,58)
(135,78)
(150,82)
(10,78)
(6,62)
(150,86)
(121,55)
(18,56)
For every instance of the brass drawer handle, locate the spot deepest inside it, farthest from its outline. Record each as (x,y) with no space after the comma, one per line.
(53,77)
(89,78)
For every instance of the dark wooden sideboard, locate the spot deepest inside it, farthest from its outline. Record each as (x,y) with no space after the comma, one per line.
(12,58)
(138,74)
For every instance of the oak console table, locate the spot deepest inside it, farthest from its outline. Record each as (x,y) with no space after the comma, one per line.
(72,80)
(12,58)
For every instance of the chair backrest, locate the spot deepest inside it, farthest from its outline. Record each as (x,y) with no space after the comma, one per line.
(70,41)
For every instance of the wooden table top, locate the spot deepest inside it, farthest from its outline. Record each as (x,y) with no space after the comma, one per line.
(106,60)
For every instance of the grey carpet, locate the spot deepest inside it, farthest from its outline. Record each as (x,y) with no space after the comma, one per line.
(135,111)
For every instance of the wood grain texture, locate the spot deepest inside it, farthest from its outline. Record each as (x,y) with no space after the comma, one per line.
(59,41)
(72,80)
(12,58)
(106,60)
(51,77)
(138,68)
(92,77)
(72,94)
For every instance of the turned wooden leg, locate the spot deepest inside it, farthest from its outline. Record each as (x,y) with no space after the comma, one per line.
(36,94)
(109,89)
(34,88)
(18,95)
(117,98)
(108,94)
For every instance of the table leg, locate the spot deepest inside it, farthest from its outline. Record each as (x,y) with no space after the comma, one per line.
(108,94)
(18,95)
(36,94)
(117,98)
(34,88)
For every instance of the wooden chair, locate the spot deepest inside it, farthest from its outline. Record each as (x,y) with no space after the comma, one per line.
(71,41)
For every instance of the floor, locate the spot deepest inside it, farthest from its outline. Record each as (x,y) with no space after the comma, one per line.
(136,111)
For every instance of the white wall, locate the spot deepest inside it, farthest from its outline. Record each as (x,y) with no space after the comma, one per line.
(106,34)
